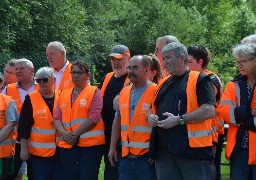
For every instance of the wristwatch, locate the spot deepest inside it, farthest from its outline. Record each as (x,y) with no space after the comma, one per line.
(182,120)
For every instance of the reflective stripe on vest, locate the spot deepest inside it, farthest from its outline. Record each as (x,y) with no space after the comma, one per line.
(42,145)
(254,120)
(43,131)
(232,105)
(137,129)
(7,142)
(135,144)
(92,133)
(199,134)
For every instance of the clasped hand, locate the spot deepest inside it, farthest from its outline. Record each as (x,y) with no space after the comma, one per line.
(167,123)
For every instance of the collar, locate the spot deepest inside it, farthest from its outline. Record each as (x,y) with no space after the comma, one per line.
(64,68)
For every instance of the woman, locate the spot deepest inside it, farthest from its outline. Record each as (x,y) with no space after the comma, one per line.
(155,73)
(37,133)
(237,107)
(78,121)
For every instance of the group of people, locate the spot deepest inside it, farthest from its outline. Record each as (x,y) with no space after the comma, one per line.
(156,116)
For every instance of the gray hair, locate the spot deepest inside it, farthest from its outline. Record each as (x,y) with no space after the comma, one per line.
(247,51)
(249,39)
(177,48)
(27,62)
(45,72)
(11,63)
(167,39)
(57,45)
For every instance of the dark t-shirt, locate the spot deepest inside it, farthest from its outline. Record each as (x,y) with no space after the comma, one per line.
(113,88)
(172,98)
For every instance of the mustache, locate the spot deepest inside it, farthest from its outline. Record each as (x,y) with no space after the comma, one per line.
(132,75)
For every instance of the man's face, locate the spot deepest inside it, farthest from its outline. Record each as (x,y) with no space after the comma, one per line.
(159,46)
(55,57)
(193,64)
(172,64)
(23,72)
(9,74)
(136,71)
(119,65)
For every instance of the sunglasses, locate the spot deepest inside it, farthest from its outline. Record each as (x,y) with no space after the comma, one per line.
(45,80)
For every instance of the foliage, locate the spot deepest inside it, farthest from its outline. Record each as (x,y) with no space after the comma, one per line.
(91,28)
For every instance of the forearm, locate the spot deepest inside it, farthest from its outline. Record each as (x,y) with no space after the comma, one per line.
(7,130)
(87,125)
(116,132)
(204,112)
(24,143)
(59,126)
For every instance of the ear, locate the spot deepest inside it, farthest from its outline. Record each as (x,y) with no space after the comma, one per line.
(154,72)
(200,61)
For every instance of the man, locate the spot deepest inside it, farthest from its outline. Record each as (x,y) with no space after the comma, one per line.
(161,42)
(110,86)
(56,56)
(198,59)
(8,120)
(184,105)
(9,72)
(131,125)
(25,84)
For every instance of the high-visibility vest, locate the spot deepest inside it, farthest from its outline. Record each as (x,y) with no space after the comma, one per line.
(217,121)
(13,91)
(66,81)
(7,146)
(200,133)
(106,81)
(73,115)
(135,134)
(230,100)
(42,137)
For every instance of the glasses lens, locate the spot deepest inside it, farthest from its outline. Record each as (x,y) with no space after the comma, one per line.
(45,80)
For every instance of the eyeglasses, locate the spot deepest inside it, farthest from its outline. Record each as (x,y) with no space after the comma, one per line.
(79,73)
(9,72)
(243,62)
(45,80)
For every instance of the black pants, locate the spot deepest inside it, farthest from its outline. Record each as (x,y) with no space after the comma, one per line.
(217,159)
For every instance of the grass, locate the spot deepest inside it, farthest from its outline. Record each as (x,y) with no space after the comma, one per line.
(224,169)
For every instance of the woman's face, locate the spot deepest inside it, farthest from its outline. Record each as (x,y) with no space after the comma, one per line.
(45,84)
(79,77)
(246,66)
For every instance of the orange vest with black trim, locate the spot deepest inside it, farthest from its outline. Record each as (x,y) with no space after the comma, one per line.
(42,137)
(135,134)
(200,133)
(66,81)
(73,115)
(7,146)
(217,121)
(106,81)
(13,91)
(230,100)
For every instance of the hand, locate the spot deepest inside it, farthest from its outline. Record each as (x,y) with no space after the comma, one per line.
(151,161)
(112,156)
(24,154)
(70,138)
(152,120)
(169,122)
(253,112)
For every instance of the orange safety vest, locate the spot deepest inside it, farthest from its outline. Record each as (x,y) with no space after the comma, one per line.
(42,137)
(73,115)
(200,133)
(7,146)
(106,81)
(12,90)
(230,99)
(66,81)
(135,134)
(217,121)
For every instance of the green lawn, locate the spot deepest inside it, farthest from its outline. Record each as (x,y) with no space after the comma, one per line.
(224,169)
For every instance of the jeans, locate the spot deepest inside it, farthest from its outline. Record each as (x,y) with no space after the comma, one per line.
(172,167)
(136,169)
(46,169)
(81,162)
(239,168)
